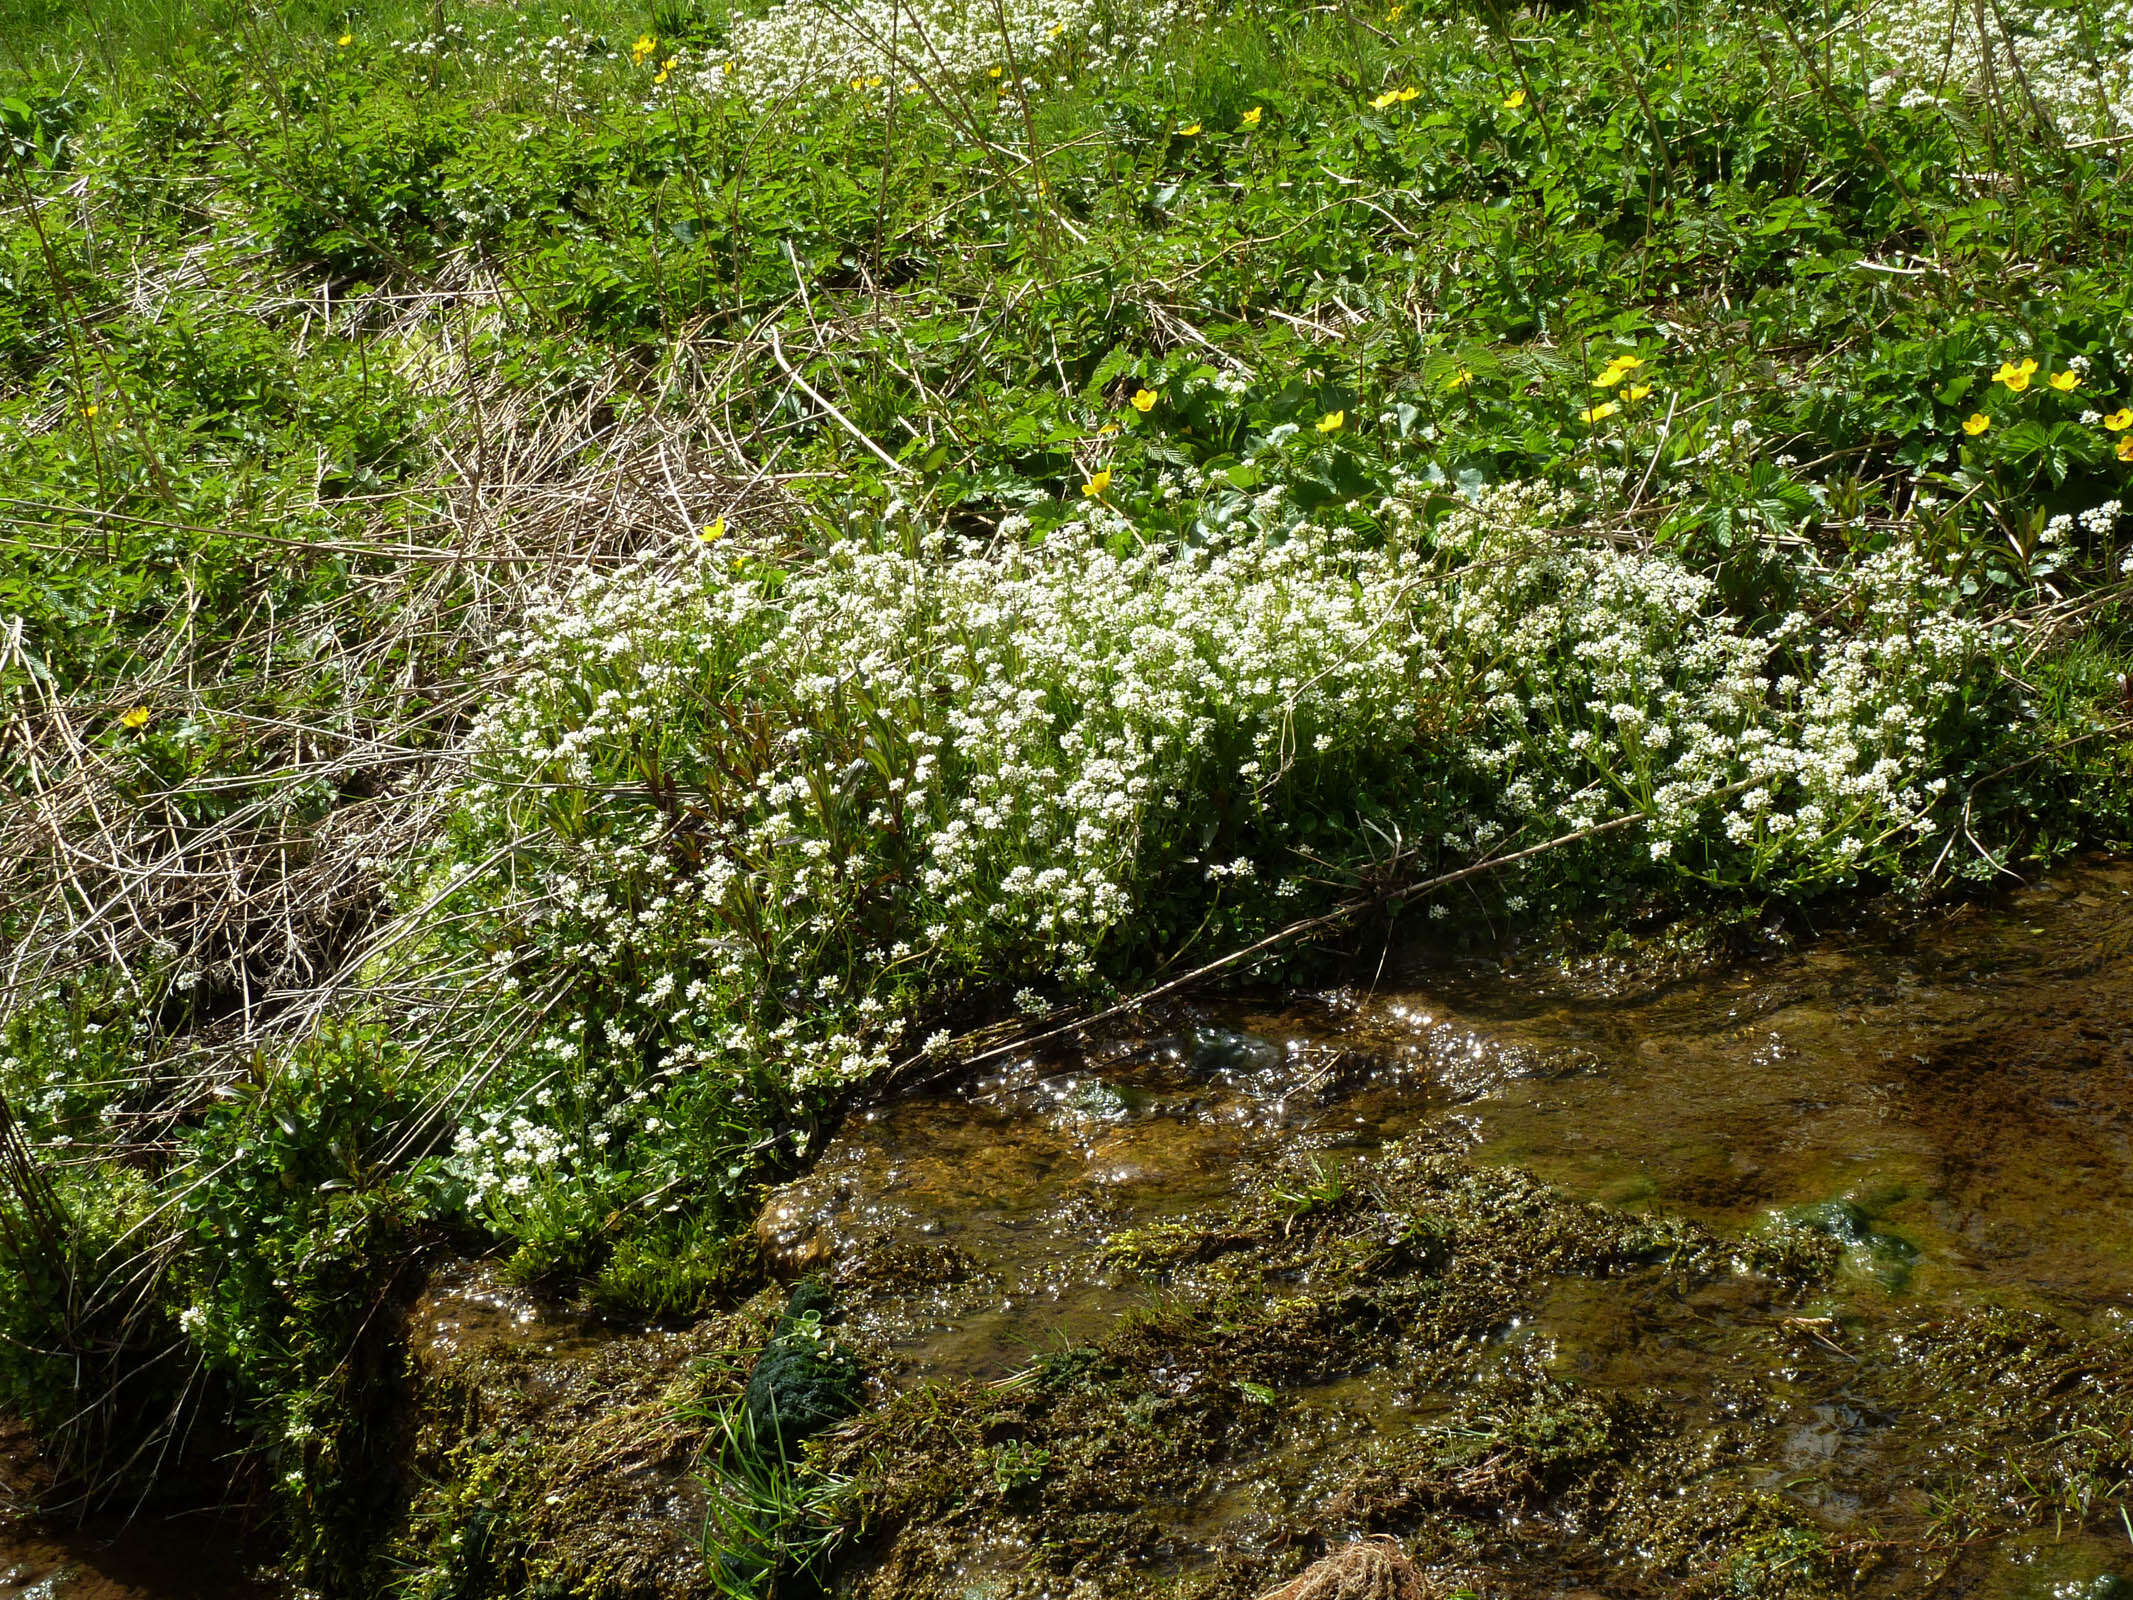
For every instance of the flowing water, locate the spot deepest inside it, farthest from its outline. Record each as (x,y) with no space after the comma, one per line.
(1950,1099)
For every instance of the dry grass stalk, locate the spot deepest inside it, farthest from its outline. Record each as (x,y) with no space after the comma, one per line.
(1369,1569)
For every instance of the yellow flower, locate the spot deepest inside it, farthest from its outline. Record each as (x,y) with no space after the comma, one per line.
(1976,423)
(1189,130)
(714,530)
(661,75)
(1251,117)
(1515,99)
(1098,483)
(1407,94)
(1057,29)
(2016,377)
(2118,421)
(1394,14)
(1332,421)
(2125,448)
(1637,391)
(345,40)
(88,411)
(1380,102)
(134,717)
(643,48)
(1144,401)
(992,72)
(725,66)
(876,81)
(1598,413)
(1461,378)
(1618,368)
(2066,382)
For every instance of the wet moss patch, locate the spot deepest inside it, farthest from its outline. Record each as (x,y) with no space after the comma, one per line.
(1336,1352)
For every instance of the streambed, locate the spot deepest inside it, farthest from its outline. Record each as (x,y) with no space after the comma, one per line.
(1805,1274)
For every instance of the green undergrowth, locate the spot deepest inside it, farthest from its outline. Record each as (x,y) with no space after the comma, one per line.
(579,589)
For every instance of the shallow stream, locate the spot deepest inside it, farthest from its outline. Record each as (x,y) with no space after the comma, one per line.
(1949,1101)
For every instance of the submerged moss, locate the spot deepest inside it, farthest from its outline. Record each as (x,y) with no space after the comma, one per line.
(1336,1352)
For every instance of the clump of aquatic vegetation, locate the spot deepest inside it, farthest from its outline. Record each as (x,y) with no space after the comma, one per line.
(581,587)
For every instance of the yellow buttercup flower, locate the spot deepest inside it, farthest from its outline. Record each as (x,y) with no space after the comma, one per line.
(876,81)
(1097,484)
(1057,29)
(88,411)
(1637,391)
(345,40)
(134,717)
(2065,382)
(992,72)
(1251,117)
(1976,423)
(1395,13)
(1515,99)
(2125,448)
(1143,401)
(1407,94)
(2119,420)
(643,48)
(2016,377)
(1332,421)
(714,531)
(1598,413)
(1611,377)
(1380,102)
(1461,378)
(1190,130)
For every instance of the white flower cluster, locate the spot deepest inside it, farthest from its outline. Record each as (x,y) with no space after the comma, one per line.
(1615,682)
(2076,62)
(818,47)
(754,817)
(504,1160)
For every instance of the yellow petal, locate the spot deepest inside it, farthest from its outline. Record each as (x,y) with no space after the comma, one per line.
(1976,423)
(1515,99)
(2066,382)
(1144,401)
(1332,421)
(1637,391)
(2125,448)
(1598,413)
(1380,102)
(134,717)
(1409,93)
(1251,117)
(1098,483)
(345,39)
(1188,130)
(713,531)
(2119,420)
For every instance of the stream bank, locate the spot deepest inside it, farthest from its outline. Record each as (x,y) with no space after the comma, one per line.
(1806,1274)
